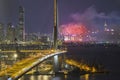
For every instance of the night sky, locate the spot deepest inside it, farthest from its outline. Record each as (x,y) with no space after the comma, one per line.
(39,13)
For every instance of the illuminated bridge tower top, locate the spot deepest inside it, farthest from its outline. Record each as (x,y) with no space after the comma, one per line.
(55,32)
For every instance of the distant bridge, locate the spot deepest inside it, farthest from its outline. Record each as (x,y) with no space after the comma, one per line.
(24,51)
(24,48)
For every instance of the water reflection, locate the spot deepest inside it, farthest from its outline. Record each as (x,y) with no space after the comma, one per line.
(45,77)
(49,77)
(58,77)
(36,77)
(84,77)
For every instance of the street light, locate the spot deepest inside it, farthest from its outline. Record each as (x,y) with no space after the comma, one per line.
(15,56)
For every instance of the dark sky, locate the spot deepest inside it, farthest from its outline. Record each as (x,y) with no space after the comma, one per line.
(8,11)
(39,13)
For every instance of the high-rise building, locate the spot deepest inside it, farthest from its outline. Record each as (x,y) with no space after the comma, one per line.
(1,32)
(21,24)
(10,33)
(31,37)
(105,26)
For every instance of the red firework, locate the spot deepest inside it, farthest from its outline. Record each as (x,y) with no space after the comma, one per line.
(73,29)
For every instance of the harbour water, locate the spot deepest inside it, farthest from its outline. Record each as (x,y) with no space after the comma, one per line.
(81,77)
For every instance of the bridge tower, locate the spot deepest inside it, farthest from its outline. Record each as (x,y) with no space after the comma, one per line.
(55,31)
(55,36)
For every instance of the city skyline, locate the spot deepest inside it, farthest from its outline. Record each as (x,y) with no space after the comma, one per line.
(39,13)
(59,39)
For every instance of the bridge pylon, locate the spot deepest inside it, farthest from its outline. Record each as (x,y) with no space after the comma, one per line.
(55,31)
(55,35)
(56,64)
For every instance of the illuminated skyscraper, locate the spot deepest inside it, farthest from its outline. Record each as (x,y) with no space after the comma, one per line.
(21,25)
(1,32)
(105,26)
(10,34)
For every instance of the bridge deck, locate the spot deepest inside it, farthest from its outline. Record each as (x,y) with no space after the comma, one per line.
(25,65)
